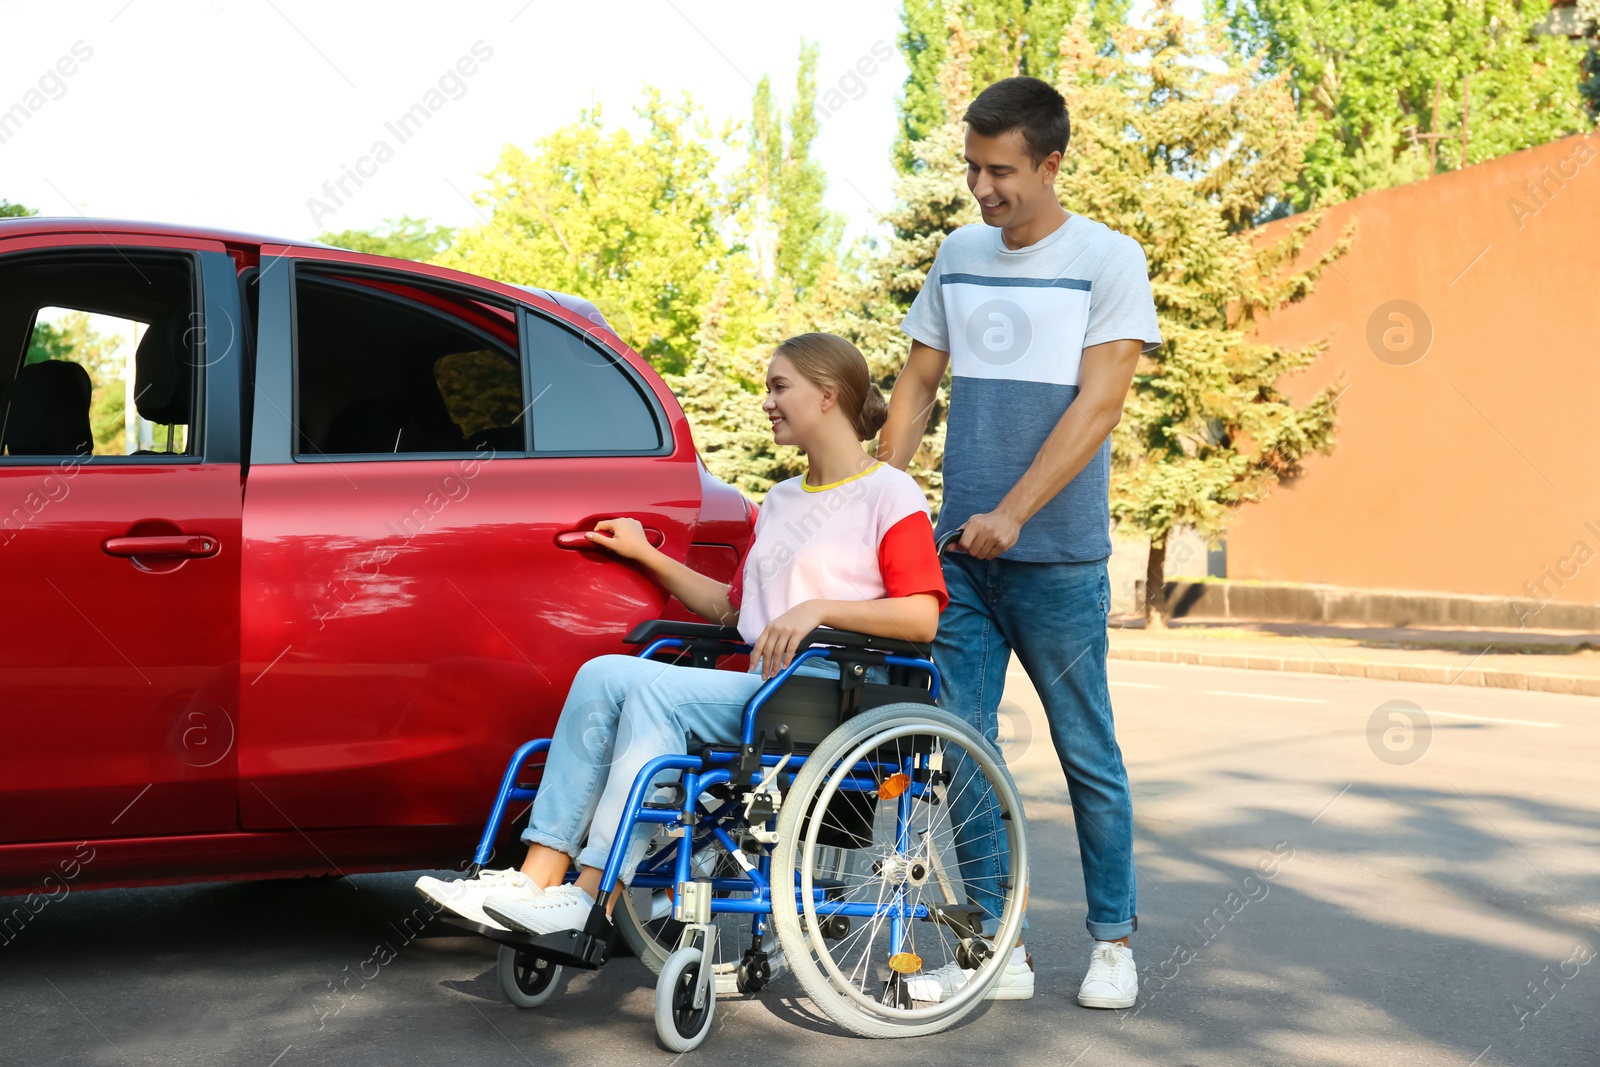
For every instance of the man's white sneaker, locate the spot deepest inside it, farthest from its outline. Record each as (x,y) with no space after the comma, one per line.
(1112,981)
(562,907)
(1016,980)
(465,896)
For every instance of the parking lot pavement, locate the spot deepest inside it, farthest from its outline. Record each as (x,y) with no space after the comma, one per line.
(1320,882)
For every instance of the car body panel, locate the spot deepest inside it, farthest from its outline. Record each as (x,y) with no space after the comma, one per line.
(362,685)
(120,675)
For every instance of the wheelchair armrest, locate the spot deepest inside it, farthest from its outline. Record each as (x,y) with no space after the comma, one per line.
(646,632)
(825,635)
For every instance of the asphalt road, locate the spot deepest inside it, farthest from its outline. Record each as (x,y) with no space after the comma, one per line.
(1434,899)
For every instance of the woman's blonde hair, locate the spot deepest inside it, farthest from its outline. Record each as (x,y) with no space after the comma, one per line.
(831,362)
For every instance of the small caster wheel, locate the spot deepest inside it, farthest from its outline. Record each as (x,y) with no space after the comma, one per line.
(972,951)
(834,927)
(896,992)
(527,980)
(754,972)
(680,1025)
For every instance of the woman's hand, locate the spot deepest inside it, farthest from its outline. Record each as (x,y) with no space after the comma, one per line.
(625,537)
(777,644)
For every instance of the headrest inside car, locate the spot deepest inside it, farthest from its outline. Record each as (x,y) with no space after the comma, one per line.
(164,370)
(47,411)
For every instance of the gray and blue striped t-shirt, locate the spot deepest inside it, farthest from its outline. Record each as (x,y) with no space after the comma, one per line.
(1016,322)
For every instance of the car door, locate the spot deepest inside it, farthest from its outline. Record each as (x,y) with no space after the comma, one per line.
(425,453)
(119,638)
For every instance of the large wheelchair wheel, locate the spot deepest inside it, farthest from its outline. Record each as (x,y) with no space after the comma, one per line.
(654,939)
(867,830)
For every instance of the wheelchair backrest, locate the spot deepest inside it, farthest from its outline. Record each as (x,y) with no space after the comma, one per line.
(813,707)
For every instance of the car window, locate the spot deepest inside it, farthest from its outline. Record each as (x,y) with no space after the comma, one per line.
(584,398)
(386,366)
(102,355)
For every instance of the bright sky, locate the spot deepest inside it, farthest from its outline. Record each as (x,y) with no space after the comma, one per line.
(235,112)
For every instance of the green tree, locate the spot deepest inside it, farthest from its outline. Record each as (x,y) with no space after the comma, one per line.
(796,234)
(868,302)
(702,251)
(645,226)
(8,210)
(1384,78)
(1005,38)
(1589,16)
(722,389)
(1180,144)
(402,238)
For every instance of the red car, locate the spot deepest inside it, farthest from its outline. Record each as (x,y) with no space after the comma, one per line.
(296,617)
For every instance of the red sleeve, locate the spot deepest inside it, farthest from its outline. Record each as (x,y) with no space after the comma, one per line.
(909,562)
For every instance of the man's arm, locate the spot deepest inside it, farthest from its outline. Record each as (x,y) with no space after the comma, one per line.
(910,402)
(1104,375)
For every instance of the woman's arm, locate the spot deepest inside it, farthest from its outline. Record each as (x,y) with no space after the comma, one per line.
(706,597)
(906,618)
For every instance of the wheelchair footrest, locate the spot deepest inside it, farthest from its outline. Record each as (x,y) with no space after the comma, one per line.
(570,948)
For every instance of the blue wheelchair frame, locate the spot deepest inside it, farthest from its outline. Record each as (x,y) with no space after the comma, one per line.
(589,947)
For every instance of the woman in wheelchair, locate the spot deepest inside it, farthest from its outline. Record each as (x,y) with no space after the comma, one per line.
(847,545)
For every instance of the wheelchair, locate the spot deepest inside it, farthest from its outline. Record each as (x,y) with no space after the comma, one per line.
(822,843)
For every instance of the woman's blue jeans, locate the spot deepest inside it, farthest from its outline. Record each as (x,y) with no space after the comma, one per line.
(621,713)
(1053,615)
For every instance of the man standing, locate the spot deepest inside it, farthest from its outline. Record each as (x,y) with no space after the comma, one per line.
(1042,317)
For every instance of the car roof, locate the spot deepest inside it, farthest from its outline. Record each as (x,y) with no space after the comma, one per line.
(14,227)
(46,224)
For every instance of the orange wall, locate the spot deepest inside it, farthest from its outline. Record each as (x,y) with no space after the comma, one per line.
(1472,469)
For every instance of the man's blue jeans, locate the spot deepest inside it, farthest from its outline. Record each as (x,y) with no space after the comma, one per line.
(1053,615)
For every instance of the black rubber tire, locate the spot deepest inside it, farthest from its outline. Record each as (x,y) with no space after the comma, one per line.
(526,980)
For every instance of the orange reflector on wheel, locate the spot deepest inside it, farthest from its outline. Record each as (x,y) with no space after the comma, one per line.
(893,786)
(905,962)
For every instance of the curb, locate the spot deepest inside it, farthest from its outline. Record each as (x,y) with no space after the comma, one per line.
(1572,685)
(1252,600)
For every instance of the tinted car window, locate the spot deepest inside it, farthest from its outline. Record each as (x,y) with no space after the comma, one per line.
(585,399)
(384,367)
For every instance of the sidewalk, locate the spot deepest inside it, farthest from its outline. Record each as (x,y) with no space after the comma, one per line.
(1546,661)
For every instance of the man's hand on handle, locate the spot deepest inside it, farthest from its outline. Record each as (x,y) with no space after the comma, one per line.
(989,535)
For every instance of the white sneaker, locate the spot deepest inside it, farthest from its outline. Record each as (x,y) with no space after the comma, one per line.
(465,896)
(1112,981)
(1016,980)
(562,907)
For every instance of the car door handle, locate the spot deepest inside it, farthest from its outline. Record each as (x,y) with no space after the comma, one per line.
(189,546)
(580,538)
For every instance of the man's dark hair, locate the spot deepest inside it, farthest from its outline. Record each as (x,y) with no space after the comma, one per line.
(1025,104)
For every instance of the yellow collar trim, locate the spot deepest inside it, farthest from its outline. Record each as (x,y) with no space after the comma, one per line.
(837,484)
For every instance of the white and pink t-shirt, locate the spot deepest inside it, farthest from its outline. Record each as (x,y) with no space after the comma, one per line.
(864,538)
